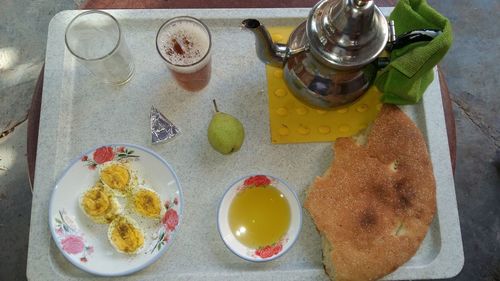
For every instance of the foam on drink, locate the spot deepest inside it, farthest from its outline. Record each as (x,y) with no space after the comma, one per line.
(184,43)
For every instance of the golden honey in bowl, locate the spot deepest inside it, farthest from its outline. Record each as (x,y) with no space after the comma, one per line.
(259,216)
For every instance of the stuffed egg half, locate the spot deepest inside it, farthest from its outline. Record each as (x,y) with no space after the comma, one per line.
(125,235)
(147,203)
(99,204)
(118,177)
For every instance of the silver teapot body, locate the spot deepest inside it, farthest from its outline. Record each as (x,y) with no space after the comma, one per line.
(320,85)
(323,62)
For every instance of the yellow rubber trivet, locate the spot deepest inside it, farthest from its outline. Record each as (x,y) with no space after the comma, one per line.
(294,122)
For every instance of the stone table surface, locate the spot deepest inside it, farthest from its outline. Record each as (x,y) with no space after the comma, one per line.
(471,69)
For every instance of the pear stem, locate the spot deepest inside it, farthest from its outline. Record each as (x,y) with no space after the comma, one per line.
(215,106)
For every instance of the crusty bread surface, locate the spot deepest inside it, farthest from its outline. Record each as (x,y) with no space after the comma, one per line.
(375,203)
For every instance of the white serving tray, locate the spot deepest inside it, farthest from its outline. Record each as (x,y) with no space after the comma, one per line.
(79,112)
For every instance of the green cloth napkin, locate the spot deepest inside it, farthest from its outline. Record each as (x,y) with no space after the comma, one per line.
(405,79)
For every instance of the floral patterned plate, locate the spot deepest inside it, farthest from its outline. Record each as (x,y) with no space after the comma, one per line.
(85,243)
(266,252)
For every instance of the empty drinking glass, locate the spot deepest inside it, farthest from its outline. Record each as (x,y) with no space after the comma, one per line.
(96,40)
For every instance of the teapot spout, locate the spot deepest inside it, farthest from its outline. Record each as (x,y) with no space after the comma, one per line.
(268,52)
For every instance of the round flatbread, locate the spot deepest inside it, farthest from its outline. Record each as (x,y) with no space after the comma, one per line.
(375,203)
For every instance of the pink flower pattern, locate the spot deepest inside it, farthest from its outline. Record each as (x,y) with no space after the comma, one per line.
(72,244)
(269,250)
(257,180)
(105,154)
(70,238)
(168,224)
(170,219)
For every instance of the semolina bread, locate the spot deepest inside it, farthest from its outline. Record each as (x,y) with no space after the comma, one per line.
(375,203)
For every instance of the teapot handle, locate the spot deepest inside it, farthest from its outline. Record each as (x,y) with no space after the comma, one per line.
(420,35)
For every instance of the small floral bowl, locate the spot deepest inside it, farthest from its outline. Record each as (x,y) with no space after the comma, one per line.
(268,252)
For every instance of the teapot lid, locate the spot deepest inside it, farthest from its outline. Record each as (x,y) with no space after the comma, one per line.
(346,34)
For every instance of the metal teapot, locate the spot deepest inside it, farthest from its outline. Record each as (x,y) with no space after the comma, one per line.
(331,59)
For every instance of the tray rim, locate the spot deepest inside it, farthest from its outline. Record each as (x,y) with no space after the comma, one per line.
(448,218)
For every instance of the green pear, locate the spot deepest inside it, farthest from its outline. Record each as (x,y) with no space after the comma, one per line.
(225,132)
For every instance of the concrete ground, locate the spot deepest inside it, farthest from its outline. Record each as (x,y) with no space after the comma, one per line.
(472,70)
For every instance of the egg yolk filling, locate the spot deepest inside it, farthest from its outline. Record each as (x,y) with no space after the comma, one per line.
(126,237)
(96,202)
(147,203)
(116,177)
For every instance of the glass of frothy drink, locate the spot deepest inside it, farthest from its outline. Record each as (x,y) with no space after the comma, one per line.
(185,45)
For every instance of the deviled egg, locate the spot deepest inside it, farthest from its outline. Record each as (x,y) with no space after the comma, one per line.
(147,203)
(118,177)
(99,204)
(125,235)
